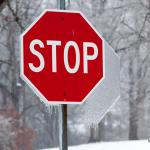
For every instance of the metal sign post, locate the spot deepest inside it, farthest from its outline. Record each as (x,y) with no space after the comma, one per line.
(63,138)
(61,4)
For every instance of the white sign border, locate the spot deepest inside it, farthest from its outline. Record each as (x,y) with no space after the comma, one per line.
(31,85)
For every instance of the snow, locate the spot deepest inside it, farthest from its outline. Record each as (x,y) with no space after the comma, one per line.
(125,145)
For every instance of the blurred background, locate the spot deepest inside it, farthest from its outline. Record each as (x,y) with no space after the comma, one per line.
(28,124)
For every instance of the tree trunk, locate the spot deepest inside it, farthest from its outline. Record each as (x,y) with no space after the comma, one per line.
(133,121)
(133,112)
(92,138)
(97,133)
(101,130)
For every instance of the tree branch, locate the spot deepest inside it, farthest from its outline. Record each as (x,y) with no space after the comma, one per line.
(17,19)
(2,4)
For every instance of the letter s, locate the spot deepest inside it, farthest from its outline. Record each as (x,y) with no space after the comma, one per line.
(38,54)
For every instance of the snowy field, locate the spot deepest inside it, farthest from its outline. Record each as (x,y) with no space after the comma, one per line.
(126,145)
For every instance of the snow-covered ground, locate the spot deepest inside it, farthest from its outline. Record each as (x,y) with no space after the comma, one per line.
(126,145)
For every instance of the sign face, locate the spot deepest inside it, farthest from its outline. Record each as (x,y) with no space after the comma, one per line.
(62,57)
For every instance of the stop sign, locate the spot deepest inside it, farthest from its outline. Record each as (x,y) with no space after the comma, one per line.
(62,57)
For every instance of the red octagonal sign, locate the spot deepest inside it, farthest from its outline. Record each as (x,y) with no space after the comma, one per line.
(62,57)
